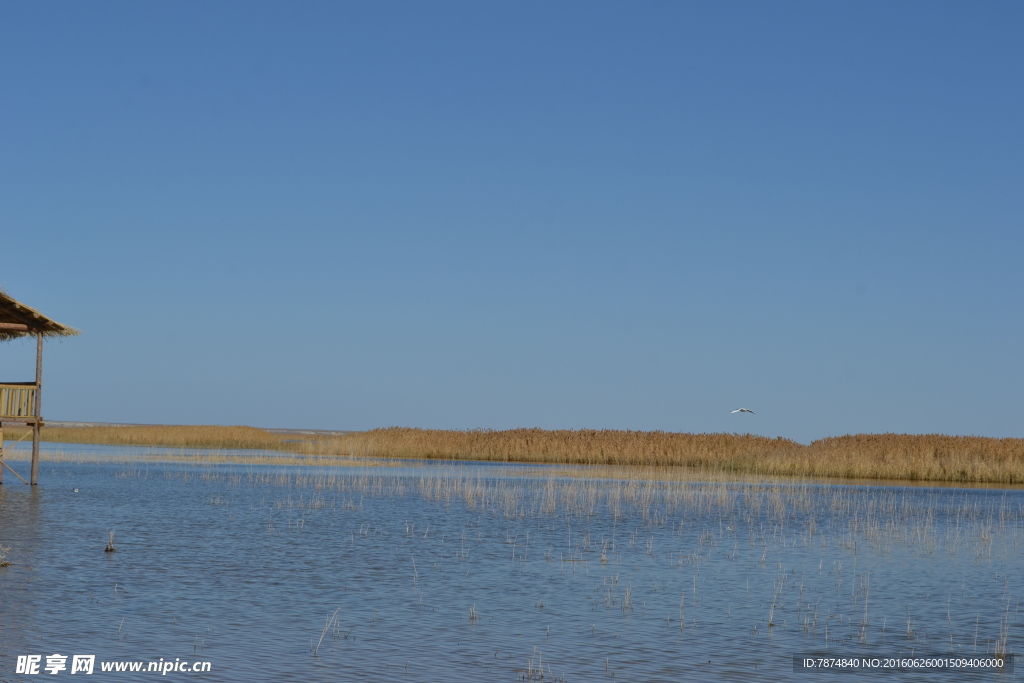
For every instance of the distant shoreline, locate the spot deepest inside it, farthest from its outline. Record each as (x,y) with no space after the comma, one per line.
(891,457)
(64,424)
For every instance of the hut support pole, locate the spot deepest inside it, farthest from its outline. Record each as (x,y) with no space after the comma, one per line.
(1,452)
(39,408)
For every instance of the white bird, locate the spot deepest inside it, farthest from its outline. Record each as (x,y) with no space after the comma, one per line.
(743,410)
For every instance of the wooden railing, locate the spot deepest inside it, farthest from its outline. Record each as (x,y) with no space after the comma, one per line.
(17,400)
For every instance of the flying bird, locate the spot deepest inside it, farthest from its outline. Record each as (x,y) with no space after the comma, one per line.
(743,410)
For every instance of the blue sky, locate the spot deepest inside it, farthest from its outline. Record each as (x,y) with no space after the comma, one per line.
(565,215)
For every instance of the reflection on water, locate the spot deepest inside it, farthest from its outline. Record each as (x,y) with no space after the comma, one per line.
(442,572)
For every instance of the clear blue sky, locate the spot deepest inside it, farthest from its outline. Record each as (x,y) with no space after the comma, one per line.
(460,215)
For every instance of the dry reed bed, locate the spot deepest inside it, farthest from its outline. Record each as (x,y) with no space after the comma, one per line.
(170,436)
(904,457)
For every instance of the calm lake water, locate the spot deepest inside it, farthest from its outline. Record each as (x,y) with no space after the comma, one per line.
(442,572)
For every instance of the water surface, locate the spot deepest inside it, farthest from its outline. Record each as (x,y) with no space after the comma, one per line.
(441,572)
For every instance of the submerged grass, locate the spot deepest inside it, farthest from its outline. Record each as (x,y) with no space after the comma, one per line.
(693,546)
(929,457)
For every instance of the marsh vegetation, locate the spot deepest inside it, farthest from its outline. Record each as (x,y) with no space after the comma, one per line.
(904,457)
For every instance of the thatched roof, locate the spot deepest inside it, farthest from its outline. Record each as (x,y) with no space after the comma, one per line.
(16,313)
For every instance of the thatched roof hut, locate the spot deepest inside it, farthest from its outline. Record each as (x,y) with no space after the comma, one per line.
(21,402)
(19,320)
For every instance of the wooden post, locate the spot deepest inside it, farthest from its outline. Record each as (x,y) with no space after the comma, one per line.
(1,452)
(39,409)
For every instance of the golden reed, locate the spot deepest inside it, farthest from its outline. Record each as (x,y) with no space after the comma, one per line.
(929,457)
